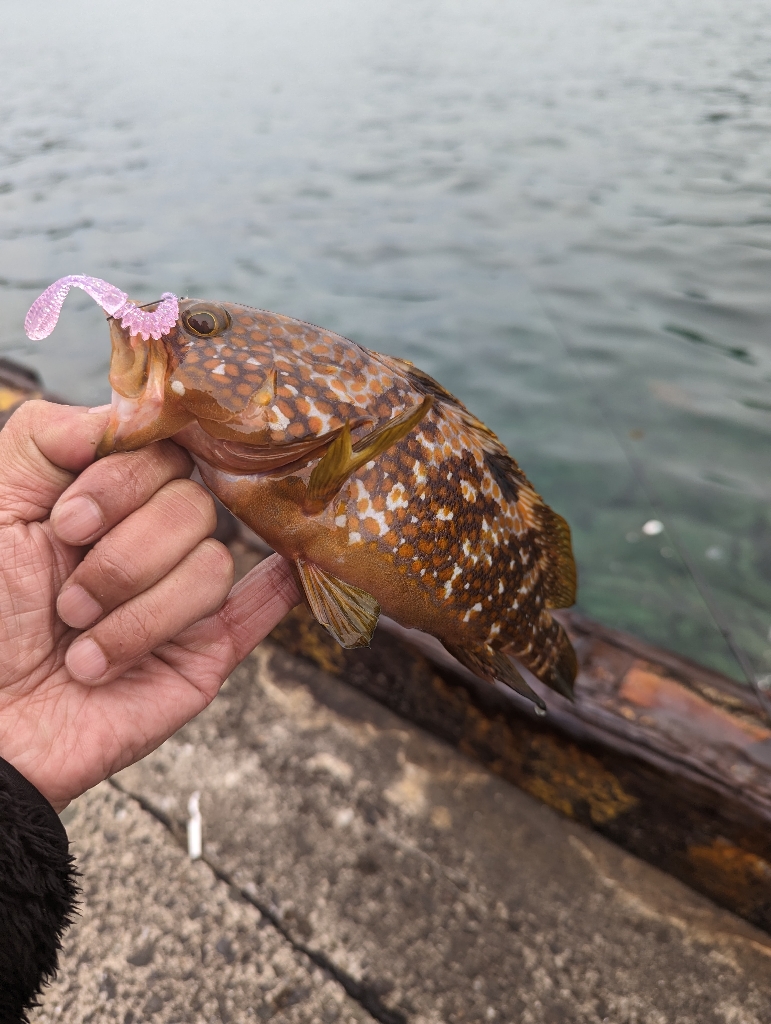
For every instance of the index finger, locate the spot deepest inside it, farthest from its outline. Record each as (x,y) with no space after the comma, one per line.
(107,492)
(42,447)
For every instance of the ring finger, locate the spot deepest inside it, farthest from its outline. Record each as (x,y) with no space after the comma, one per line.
(195,588)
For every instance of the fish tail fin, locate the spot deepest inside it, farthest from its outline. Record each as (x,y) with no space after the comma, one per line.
(552,659)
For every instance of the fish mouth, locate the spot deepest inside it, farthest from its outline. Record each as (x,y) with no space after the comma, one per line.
(138,371)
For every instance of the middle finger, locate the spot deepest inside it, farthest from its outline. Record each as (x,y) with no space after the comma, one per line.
(138,552)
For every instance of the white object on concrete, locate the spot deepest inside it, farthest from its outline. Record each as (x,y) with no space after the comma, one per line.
(194,827)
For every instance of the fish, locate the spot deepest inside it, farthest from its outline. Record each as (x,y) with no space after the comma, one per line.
(380,487)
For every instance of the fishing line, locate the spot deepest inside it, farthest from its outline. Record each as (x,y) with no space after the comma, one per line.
(641,477)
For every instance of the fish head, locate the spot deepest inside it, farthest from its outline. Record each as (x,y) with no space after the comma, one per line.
(244,375)
(238,375)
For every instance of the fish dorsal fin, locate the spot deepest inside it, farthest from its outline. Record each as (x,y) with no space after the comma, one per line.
(490,664)
(344,457)
(345,611)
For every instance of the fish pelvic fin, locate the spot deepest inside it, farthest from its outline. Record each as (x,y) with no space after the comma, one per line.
(490,664)
(349,614)
(344,457)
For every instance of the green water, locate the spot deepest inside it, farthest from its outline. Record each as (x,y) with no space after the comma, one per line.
(562,211)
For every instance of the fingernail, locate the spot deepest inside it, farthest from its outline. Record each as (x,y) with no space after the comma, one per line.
(77,607)
(100,408)
(77,520)
(85,660)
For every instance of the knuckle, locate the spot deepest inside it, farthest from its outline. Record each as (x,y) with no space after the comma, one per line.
(140,622)
(108,565)
(217,554)
(189,500)
(217,562)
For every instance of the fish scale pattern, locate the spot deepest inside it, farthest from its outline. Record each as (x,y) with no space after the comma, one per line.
(322,379)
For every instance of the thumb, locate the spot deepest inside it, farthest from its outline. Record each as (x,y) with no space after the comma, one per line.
(43,447)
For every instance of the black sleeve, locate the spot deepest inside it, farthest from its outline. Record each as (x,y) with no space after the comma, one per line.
(37,893)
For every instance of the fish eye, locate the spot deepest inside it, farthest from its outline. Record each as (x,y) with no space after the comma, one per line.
(205,320)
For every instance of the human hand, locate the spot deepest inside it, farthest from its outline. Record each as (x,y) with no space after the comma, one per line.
(120,548)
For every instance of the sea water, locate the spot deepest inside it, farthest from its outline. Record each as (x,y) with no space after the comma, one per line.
(562,210)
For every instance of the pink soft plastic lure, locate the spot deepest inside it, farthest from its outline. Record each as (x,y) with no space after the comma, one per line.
(44,311)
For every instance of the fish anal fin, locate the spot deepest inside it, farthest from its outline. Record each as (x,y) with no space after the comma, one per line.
(344,457)
(349,614)
(490,664)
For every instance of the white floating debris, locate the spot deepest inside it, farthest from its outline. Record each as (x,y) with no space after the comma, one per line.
(714,553)
(194,827)
(653,528)
(764,683)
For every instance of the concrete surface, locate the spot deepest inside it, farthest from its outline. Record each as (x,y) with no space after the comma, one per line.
(161,939)
(436,892)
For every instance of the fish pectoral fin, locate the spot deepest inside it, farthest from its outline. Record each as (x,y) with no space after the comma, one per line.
(490,664)
(345,611)
(343,457)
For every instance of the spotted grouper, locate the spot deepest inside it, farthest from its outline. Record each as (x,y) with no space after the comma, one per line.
(379,486)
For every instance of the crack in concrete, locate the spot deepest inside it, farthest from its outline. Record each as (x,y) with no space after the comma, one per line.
(367,998)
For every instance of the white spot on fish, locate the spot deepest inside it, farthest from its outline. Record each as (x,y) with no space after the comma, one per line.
(255,362)
(477,607)
(178,387)
(291,388)
(370,512)
(444,514)
(220,370)
(500,586)
(418,472)
(396,498)
(277,418)
(448,585)
(354,537)
(468,492)
(467,547)
(341,520)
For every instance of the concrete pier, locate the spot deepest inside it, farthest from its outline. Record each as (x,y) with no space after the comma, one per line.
(357,869)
